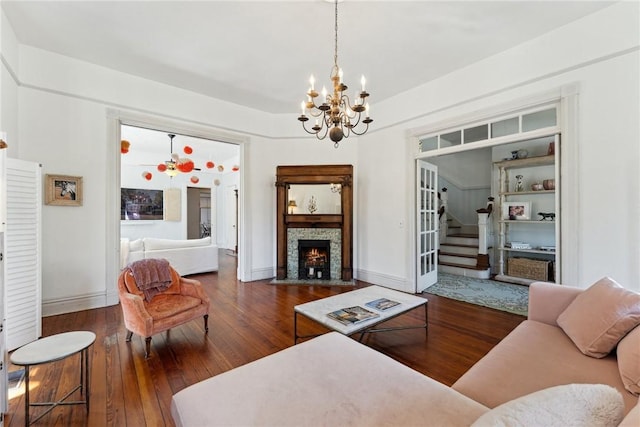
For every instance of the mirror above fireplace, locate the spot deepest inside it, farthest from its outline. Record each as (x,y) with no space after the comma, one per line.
(315,199)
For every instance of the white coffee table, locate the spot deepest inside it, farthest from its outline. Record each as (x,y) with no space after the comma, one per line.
(50,349)
(318,310)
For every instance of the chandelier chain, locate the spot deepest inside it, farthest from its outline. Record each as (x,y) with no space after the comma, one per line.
(335,50)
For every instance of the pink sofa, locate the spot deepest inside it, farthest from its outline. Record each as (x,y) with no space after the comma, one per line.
(535,372)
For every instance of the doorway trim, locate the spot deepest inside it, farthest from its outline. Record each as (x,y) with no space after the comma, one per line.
(117,118)
(567,99)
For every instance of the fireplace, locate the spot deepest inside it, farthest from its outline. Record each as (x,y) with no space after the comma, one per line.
(314,259)
(336,227)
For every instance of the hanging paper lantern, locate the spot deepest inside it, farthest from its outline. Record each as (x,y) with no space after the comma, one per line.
(235,168)
(162,167)
(185,165)
(220,168)
(147,175)
(195,179)
(210,164)
(124,146)
(216,182)
(187,149)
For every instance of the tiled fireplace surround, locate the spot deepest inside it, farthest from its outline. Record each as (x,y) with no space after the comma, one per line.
(335,244)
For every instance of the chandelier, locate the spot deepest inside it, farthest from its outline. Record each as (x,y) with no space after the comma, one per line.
(336,116)
(176,165)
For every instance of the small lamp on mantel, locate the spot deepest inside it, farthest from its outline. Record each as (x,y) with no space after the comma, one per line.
(292,204)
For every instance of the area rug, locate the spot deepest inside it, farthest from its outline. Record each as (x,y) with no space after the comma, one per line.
(487,293)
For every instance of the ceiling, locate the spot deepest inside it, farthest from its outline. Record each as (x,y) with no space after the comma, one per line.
(260,53)
(148,148)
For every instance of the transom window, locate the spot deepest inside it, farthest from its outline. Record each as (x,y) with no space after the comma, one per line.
(486,131)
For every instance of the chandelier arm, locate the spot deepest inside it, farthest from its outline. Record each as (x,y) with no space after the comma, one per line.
(308,131)
(326,131)
(365,130)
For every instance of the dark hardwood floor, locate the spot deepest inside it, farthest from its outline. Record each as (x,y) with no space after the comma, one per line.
(247,321)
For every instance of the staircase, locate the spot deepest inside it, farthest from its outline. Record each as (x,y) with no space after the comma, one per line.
(458,255)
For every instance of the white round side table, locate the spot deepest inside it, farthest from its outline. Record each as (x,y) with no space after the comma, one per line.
(50,349)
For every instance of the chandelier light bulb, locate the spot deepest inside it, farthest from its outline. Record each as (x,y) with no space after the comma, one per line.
(367,109)
(324,93)
(362,82)
(302,107)
(312,82)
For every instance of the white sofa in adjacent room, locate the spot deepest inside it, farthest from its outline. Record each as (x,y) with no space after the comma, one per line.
(188,256)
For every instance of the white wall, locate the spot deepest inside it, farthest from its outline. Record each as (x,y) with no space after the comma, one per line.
(63,106)
(604,65)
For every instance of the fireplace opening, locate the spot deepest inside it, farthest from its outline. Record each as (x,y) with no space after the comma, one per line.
(314,259)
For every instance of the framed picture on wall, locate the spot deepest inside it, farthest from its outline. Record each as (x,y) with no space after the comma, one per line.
(141,204)
(63,190)
(516,211)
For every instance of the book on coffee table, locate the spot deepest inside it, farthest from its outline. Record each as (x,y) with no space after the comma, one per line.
(352,315)
(382,304)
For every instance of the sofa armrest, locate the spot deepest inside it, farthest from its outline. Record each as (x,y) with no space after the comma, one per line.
(548,300)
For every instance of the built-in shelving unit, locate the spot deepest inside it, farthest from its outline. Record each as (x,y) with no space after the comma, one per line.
(542,234)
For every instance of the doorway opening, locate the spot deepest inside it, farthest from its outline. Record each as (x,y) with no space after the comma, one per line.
(191,191)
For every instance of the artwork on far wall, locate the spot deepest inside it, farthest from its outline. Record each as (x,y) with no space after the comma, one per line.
(139,204)
(63,190)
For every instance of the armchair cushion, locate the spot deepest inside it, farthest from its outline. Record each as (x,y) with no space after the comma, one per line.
(168,305)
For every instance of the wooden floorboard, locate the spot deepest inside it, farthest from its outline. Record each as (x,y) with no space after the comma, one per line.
(247,321)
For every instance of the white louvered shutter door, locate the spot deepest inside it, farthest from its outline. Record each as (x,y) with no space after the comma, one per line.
(23,266)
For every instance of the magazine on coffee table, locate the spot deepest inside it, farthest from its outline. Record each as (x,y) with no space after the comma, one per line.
(352,315)
(382,304)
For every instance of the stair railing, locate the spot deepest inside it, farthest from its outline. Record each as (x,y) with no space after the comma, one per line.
(443,198)
(482,260)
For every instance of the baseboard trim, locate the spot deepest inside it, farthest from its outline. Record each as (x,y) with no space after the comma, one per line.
(385,280)
(262,274)
(54,307)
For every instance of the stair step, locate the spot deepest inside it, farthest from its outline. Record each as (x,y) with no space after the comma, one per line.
(453,264)
(464,271)
(468,235)
(457,254)
(461,240)
(468,261)
(457,249)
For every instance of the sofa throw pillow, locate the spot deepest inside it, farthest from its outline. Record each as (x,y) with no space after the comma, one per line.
(629,360)
(600,316)
(591,405)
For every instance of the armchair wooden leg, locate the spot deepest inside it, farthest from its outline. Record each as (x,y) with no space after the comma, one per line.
(206,323)
(147,348)
(129,335)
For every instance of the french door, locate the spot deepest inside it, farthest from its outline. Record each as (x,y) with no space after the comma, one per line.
(426,225)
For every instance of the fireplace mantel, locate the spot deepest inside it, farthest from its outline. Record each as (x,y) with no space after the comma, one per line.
(315,174)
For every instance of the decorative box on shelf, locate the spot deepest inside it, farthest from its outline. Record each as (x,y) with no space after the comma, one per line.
(528,268)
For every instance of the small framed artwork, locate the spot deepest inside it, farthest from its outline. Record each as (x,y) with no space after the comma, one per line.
(63,190)
(516,211)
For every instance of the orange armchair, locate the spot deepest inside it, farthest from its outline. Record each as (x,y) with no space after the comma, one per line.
(184,300)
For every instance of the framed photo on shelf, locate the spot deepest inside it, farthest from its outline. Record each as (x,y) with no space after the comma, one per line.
(516,211)
(63,190)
